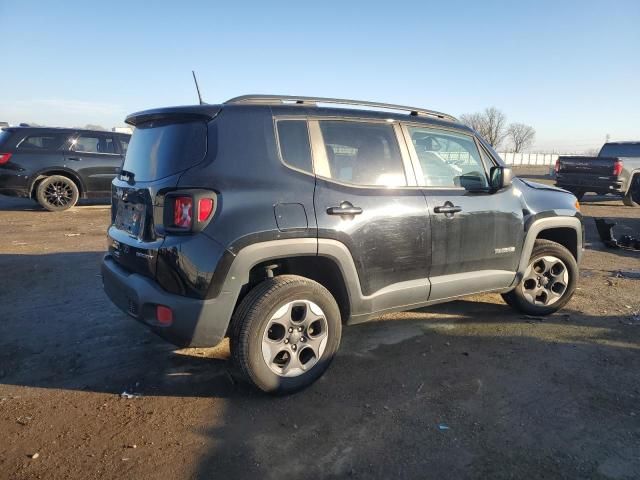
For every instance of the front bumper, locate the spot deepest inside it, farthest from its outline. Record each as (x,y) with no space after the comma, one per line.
(196,323)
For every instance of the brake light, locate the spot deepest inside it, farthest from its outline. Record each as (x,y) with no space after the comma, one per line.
(4,158)
(182,212)
(617,167)
(205,207)
(189,210)
(557,167)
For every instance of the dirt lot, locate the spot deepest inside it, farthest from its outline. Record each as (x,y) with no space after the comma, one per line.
(468,389)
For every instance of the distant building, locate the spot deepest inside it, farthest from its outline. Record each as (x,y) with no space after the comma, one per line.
(128,130)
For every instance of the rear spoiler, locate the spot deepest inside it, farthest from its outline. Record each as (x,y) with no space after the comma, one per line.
(190,112)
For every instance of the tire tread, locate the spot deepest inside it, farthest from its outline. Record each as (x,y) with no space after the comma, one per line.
(249,310)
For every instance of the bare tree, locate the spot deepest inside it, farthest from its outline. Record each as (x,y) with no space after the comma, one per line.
(490,124)
(473,120)
(521,136)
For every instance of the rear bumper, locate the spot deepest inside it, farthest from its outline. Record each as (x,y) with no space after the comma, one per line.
(14,185)
(590,182)
(196,323)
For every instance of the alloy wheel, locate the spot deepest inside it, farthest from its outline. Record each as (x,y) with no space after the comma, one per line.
(295,338)
(58,194)
(545,281)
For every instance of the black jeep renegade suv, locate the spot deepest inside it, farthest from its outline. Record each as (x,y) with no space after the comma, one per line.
(274,220)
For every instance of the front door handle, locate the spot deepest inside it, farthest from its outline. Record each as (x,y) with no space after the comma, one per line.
(448,208)
(345,208)
(75,159)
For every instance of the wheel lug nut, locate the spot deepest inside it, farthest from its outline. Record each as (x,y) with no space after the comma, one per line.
(286,340)
(299,329)
(302,339)
(290,329)
(294,347)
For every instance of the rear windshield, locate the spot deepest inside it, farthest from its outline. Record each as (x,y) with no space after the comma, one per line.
(620,150)
(4,136)
(157,150)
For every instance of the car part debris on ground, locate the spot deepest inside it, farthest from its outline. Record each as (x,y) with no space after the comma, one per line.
(605,230)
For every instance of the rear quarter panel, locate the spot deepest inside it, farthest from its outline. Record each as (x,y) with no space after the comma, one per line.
(243,166)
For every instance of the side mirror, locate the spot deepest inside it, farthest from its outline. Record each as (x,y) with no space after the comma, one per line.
(501,177)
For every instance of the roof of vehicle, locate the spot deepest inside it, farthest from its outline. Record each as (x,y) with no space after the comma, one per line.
(59,129)
(284,104)
(629,142)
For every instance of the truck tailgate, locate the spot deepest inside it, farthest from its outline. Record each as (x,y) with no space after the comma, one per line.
(601,166)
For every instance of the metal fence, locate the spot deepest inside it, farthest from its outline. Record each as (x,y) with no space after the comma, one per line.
(511,158)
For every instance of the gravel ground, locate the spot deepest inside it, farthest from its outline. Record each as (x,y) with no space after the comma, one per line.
(468,389)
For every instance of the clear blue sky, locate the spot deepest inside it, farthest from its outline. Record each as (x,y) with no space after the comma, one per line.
(570,69)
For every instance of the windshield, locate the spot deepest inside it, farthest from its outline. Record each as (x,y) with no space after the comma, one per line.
(160,149)
(620,150)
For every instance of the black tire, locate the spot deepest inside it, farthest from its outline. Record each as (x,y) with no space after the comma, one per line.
(632,197)
(252,318)
(579,193)
(57,193)
(543,248)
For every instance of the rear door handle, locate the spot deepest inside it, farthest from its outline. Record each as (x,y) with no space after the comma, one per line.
(448,209)
(75,159)
(345,208)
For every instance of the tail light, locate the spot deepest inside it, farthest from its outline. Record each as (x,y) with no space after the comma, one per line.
(617,167)
(182,212)
(188,211)
(557,167)
(4,158)
(205,207)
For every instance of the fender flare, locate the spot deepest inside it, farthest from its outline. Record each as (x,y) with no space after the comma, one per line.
(401,295)
(47,172)
(541,225)
(632,176)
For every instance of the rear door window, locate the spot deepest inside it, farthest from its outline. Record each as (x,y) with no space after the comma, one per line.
(51,141)
(293,136)
(94,144)
(362,153)
(160,149)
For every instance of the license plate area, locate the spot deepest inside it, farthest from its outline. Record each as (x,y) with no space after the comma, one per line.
(130,218)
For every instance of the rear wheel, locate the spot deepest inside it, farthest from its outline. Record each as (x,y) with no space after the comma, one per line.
(632,197)
(286,332)
(548,282)
(57,193)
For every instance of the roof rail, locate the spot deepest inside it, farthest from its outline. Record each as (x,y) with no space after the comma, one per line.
(288,99)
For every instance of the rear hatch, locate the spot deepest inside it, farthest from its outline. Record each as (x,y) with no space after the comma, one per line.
(162,147)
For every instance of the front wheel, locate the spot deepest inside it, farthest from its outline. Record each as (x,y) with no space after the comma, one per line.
(548,282)
(57,193)
(286,331)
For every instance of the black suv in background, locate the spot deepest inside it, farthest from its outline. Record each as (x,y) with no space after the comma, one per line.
(274,220)
(57,166)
